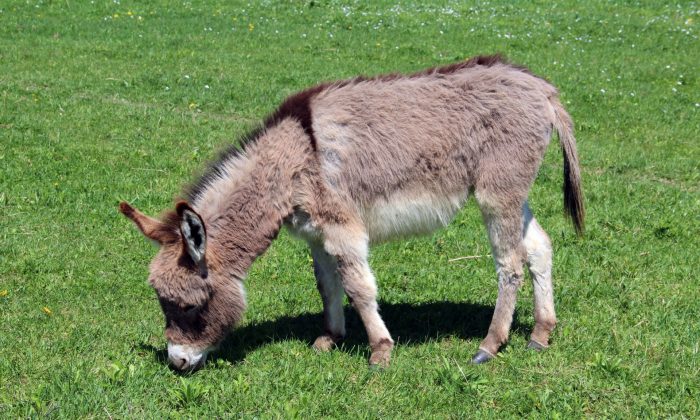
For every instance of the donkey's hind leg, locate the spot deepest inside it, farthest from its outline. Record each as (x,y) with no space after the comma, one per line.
(539,260)
(504,225)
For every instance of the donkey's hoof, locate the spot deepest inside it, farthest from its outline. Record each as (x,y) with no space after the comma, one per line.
(482,356)
(376,368)
(379,360)
(324,343)
(381,353)
(534,345)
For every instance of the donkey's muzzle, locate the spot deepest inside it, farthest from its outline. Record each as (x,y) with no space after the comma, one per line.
(183,357)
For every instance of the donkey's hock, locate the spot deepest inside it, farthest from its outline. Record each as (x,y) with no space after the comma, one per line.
(349,163)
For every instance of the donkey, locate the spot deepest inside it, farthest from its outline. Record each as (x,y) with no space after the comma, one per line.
(360,161)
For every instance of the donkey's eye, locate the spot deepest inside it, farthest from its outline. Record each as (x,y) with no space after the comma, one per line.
(189,308)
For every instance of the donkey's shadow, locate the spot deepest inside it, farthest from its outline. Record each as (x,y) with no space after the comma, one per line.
(409,324)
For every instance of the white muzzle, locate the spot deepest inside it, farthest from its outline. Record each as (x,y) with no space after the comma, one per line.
(184,357)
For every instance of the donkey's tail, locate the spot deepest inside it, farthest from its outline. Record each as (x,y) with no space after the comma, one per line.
(573,195)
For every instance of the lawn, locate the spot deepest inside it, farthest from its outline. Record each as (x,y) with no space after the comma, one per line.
(103,101)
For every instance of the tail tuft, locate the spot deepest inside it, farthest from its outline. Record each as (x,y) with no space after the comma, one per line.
(573,194)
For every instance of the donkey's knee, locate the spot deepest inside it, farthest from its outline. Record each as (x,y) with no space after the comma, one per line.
(510,267)
(361,288)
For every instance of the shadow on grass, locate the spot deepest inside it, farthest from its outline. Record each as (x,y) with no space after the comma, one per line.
(159,355)
(409,324)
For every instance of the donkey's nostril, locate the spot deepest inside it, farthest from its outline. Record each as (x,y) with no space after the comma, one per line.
(178,363)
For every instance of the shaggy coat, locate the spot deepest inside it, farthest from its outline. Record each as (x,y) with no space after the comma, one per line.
(350,163)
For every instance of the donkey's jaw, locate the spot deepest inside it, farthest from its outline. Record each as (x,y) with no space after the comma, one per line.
(184,357)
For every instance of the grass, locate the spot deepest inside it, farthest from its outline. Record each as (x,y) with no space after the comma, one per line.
(108,100)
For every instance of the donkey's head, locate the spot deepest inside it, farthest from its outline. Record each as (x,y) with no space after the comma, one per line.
(200,301)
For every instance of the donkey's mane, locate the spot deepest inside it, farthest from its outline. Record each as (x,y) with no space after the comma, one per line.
(480,60)
(215,169)
(297,106)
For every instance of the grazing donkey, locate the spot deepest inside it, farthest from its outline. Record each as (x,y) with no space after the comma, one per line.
(349,163)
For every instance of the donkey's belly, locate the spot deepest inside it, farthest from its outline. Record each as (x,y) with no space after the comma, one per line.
(407,214)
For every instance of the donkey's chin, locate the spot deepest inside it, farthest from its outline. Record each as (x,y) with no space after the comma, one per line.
(186,358)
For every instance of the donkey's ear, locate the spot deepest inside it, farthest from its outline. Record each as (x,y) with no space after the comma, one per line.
(194,234)
(151,228)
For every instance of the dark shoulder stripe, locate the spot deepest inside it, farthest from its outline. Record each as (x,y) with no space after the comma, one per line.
(298,106)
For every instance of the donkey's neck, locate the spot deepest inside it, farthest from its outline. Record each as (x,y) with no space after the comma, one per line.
(244,205)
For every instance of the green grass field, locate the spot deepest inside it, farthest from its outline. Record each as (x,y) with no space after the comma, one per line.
(102,101)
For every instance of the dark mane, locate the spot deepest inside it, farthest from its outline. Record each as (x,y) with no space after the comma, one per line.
(296,106)
(214,168)
(481,60)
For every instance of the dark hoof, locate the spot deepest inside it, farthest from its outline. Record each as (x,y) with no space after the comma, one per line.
(534,345)
(482,356)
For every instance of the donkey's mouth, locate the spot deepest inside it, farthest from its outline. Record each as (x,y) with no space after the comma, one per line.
(186,358)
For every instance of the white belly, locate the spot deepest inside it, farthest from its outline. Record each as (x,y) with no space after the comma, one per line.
(406,214)
(400,215)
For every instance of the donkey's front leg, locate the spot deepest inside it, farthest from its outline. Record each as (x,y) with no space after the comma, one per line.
(361,288)
(328,283)
(350,251)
